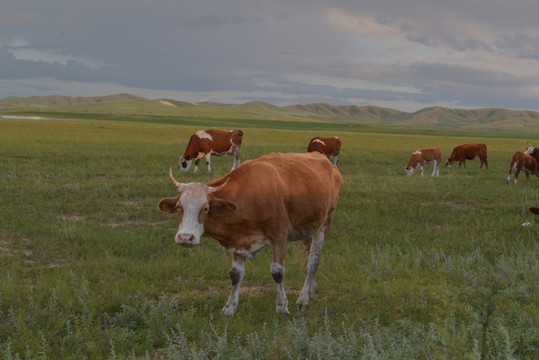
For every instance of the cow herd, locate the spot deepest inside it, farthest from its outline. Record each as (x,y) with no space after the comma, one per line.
(280,198)
(527,161)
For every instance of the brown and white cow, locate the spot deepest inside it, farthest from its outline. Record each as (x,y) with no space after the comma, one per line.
(268,201)
(523,161)
(329,146)
(205,143)
(465,152)
(421,157)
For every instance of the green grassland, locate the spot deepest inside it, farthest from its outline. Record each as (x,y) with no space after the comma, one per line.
(413,268)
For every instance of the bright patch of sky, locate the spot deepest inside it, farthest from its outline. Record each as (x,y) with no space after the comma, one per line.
(23,50)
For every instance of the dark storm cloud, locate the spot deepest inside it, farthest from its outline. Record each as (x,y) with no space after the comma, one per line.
(426,53)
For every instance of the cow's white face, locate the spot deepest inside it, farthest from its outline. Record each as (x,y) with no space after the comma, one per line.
(409,171)
(529,150)
(193,206)
(184,164)
(448,163)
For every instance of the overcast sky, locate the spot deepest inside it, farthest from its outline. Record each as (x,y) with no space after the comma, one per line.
(402,54)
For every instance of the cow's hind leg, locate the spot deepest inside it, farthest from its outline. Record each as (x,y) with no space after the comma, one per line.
(511,169)
(314,283)
(277,272)
(310,285)
(517,172)
(236,275)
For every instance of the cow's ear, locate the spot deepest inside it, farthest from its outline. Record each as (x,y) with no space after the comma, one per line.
(220,207)
(169,205)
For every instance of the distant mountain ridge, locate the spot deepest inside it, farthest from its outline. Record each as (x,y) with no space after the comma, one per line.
(58,100)
(430,117)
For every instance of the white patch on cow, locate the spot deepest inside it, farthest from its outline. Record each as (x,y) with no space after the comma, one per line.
(529,149)
(203,135)
(254,250)
(417,152)
(200,155)
(192,201)
(320,141)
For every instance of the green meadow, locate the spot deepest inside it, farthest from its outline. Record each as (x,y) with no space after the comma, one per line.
(412,268)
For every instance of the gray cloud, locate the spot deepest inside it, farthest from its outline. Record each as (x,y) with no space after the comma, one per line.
(466,53)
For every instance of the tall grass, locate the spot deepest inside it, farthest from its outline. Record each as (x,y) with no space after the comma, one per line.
(413,268)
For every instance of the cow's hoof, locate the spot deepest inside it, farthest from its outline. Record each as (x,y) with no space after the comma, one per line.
(230,310)
(282,310)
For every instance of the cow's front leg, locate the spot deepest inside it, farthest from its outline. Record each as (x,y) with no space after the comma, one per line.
(277,271)
(236,275)
(208,161)
(310,285)
(237,160)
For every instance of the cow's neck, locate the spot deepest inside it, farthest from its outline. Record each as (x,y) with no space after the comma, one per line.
(227,230)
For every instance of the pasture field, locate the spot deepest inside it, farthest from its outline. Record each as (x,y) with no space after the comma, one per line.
(413,268)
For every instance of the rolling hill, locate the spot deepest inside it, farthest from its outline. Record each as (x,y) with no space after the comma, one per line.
(432,117)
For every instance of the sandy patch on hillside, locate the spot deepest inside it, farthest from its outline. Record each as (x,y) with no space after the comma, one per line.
(166,103)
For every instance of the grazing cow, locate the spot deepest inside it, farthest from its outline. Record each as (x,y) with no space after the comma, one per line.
(205,143)
(329,146)
(424,156)
(534,209)
(269,201)
(465,152)
(523,161)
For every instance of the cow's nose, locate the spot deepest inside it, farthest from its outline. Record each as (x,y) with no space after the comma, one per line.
(185,239)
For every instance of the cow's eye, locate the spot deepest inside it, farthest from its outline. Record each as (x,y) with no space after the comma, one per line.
(179,207)
(205,209)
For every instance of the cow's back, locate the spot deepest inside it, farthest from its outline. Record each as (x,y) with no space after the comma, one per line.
(301,187)
(468,151)
(325,145)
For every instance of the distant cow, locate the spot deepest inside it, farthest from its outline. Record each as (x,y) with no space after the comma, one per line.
(205,143)
(269,201)
(534,209)
(523,161)
(424,156)
(465,152)
(329,146)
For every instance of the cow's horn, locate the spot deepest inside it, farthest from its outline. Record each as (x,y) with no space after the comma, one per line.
(217,188)
(174,182)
